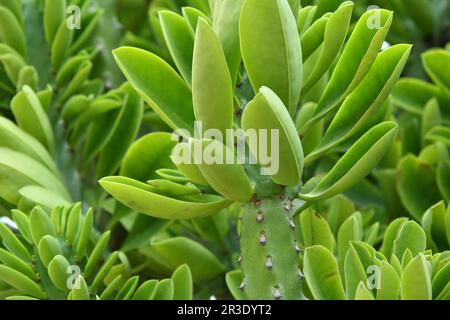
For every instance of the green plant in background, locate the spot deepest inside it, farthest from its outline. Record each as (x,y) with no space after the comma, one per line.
(336,82)
(61,256)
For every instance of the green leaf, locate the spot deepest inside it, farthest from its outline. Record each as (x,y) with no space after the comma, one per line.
(40,225)
(439,134)
(433,223)
(48,248)
(437,65)
(354,272)
(356,163)
(341,208)
(335,34)
(13,244)
(159,85)
(234,280)
(97,255)
(367,98)
(226,26)
(416,280)
(11,32)
(85,235)
(389,283)
(271,49)
(441,280)
(147,155)
(417,197)
(210,67)
(43,197)
(315,230)
(410,236)
(80,290)
(357,58)
(413,94)
(351,230)
(14,138)
(60,46)
(390,235)
(31,117)
(192,15)
(73,224)
(218,174)
(146,290)
(21,282)
(143,230)
(14,262)
(443,179)
(180,41)
(322,274)
(267,112)
(362,293)
(164,290)
(142,198)
(179,250)
(182,283)
(54,16)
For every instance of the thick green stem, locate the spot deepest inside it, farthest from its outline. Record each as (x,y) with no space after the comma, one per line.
(269,260)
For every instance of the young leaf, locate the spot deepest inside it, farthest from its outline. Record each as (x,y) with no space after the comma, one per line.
(271,49)
(356,163)
(214,106)
(322,274)
(416,280)
(160,86)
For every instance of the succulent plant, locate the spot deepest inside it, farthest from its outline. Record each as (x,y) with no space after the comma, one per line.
(61,256)
(293,149)
(286,70)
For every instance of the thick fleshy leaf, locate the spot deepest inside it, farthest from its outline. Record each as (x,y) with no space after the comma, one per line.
(443,179)
(54,16)
(11,31)
(141,198)
(218,174)
(433,223)
(234,281)
(43,197)
(334,36)
(322,274)
(271,49)
(147,155)
(21,282)
(160,86)
(356,163)
(416,280)
(367,98)
(125,131)
(354,63)
(178,251)
(390,235)
(267,112)
(413,94)
(315,230)
(351,230)
(179,40)
(226,25)
(213,106)
(417,197)
(14,138)
(182,282)
(192,16)
(410,236)
(389,285)
(31,117)
(439,134)
(437,64)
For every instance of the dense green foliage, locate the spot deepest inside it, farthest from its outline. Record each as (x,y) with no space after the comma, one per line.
(95,205)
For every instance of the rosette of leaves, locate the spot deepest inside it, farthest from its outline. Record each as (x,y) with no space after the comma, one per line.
(290,81)
(345,265)
(45,74)
(422,22)
(61,256)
